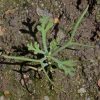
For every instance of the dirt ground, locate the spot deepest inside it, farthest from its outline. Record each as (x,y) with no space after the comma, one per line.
(15,34)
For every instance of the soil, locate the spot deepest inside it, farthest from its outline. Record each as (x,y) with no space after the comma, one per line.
(18,19)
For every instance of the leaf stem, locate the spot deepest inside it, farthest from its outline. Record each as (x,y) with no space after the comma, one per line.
(61,48)
(22,58)
(50,79)
(78,23)
(44,41)
(79,44)
(73,32)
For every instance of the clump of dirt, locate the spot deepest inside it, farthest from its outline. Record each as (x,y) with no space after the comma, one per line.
(18,20)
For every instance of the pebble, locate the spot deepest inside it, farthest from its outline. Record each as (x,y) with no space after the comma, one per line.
(81,91)
(2,31)
(88,98)
(98,82)
(2,98)
(46,98)
(6,93)
(42,12)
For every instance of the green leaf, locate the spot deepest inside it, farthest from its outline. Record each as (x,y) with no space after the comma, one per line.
(44,20)
(34,48)
(49,25)
(45,24)
(73,32)
(78,22)
(67,70)
(30,46)
(67,66)
(21,58)
(53,45)
(69,63)
(39,28)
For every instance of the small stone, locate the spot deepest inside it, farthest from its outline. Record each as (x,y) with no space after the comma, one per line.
(88,98)
(81,91)
(2,31)
(46,98)
(42,5)
(26,76)
(98,83)
(22,82)
(30,81)
(2,98)
(42,12)
(6,93)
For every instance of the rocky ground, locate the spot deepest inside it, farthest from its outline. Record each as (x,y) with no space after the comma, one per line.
(14,36)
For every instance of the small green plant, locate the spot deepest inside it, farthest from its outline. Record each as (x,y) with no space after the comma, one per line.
(50,51)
